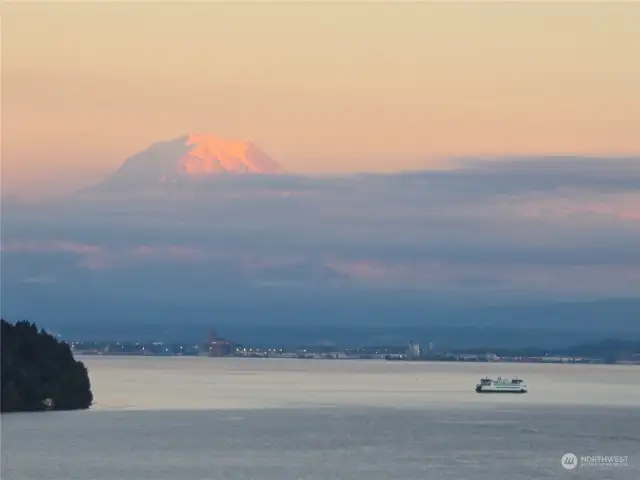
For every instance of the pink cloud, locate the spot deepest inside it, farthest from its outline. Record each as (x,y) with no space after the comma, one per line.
(95,257)
(631,214)
(49,246)
(178,253)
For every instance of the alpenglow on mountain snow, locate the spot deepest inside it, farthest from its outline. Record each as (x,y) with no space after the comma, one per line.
(193,156)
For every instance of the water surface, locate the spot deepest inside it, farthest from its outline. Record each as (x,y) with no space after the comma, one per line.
(200,418)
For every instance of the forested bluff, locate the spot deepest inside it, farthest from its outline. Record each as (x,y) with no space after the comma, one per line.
(39,372)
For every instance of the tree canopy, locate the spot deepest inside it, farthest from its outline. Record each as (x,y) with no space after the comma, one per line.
(39,372)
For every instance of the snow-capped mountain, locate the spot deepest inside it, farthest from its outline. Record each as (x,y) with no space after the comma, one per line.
(190,157)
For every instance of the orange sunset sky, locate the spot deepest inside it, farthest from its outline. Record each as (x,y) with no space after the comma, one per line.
(320,87)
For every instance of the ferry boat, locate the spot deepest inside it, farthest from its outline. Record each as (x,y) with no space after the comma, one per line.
(501,385)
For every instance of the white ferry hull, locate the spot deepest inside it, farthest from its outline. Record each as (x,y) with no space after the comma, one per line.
(501,385)
(483,389)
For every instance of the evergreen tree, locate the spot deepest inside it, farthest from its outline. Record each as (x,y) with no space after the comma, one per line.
(39,372)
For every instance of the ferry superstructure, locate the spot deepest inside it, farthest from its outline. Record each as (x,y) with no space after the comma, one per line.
(501,385)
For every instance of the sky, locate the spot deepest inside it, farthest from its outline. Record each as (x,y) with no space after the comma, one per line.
(320,87)
(504,138)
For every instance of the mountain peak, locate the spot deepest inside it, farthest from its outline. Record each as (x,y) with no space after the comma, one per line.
(210,154)
(193,156)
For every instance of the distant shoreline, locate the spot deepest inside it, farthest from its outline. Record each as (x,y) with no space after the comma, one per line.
(606,351)
(534,360)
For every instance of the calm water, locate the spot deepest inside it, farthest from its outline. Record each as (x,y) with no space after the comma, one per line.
(254,419)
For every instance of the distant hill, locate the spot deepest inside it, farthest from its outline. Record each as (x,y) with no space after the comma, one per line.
(316,315)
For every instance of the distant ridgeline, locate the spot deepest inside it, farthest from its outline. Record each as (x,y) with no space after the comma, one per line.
(39,372)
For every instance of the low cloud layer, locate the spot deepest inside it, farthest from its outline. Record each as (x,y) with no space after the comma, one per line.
(489,230)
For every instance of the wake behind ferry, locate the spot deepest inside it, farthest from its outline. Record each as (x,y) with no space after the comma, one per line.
(501,385)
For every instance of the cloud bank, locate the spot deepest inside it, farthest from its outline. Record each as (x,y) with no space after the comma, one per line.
(488,231)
